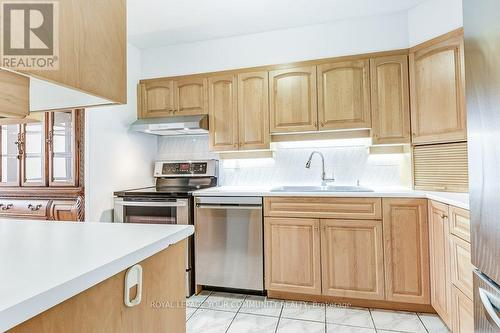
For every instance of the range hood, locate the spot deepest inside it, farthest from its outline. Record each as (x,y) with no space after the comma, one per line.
(182,125)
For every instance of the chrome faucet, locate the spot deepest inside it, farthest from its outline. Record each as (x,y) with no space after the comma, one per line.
(324,180)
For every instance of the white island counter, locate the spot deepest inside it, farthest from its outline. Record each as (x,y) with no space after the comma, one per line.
(45,263)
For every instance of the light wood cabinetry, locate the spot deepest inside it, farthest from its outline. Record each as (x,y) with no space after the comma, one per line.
(344,95)
(223,112)
(292,255)
(460,223)
(14,95)
(437,90)
(461,266)
(390,101)
(352,258)
(190,96)
(462,313)
(439,245)
(180,97)
(324,207)
(84,312)
(156,99)
(253,110)
(406,250)
(293,100)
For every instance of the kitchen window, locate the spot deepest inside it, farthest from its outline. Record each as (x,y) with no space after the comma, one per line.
(44,153)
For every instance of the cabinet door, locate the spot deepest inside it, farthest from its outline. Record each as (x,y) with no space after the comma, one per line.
(292,255)
(11,154)
(190,96)
(33,161)
(406,250)
(156,99)
(352,259)
(439,245)
(222,111)
(462,313)
(461,266)
(253,110)
(65,210)
(293,100)
(344,95)
(437,90)
(63,145)
(390,101)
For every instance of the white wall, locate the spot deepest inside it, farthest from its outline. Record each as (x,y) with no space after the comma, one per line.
(115,158)
(432,18)
(361,35)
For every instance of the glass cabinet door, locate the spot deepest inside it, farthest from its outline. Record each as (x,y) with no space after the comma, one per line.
(33,162)
(10,154)
(62,146)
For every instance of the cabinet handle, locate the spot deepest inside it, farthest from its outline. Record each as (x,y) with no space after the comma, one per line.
(6,207)
(133,277)
(444,216)
(34,208)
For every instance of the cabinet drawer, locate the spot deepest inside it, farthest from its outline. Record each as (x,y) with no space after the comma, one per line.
(324,207)
(461,266)
(28,208)
(460,223)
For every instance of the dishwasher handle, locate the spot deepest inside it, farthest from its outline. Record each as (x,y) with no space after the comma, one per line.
(228,206)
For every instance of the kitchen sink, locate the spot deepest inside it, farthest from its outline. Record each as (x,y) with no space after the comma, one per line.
(321,189)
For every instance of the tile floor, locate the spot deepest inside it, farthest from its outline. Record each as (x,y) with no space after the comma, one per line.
(217,312)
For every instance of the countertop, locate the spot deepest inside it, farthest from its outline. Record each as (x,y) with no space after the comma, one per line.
(455,199)
(45,263)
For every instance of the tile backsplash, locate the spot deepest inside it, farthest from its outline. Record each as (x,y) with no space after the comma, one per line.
(349,163)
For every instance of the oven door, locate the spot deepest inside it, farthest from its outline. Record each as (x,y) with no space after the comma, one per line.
(167,211)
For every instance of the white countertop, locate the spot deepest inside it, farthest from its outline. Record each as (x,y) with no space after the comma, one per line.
(455,199)
(44,263)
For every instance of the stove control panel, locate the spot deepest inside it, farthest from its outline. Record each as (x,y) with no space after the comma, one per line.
(186,168)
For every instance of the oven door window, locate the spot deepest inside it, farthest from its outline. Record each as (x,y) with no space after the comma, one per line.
(151,215)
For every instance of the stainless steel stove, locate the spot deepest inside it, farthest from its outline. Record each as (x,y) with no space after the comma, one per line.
(170,201)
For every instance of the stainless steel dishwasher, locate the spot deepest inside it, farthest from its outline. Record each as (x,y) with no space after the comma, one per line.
(229,242)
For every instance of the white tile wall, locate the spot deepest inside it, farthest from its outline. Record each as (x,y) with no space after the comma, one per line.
(349,163)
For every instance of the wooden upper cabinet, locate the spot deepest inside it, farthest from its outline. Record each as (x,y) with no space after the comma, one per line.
(293,100)
(14,95)
(190,96)
(344,95)
(390,102)
(406,250)
(437,92)
(253,110)
(156,99)
(352,259)
(292,255)
(439,245)
(223,113)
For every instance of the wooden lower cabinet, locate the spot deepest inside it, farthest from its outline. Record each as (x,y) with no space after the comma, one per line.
(439,246)
(292,255)
(42,209)
(101,308)
(462,312)
(406,250)
(352,259)
(461,266)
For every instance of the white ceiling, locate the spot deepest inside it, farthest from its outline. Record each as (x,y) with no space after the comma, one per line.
(153,23)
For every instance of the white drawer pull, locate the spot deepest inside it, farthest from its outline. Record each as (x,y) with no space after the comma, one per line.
(133,277)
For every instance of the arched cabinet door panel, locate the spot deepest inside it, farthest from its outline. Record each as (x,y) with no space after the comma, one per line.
(293,100)
(344,95)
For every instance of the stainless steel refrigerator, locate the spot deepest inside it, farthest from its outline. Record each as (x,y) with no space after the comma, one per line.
(482,79)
